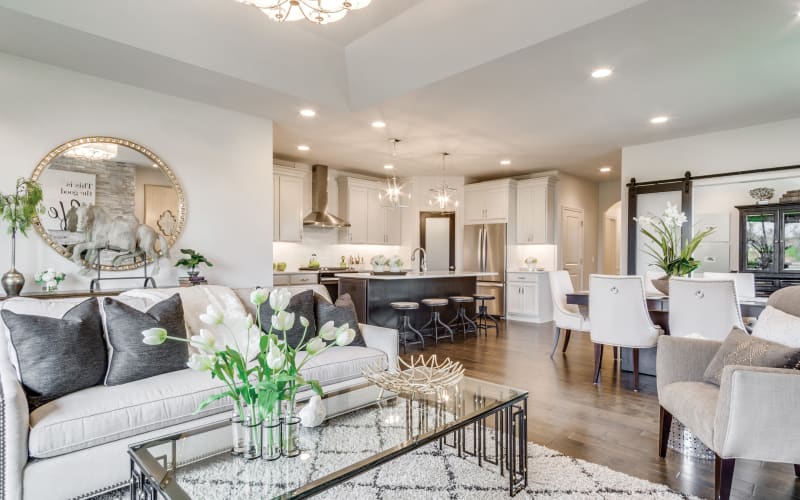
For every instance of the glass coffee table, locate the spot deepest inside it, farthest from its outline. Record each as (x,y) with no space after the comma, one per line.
(365,429)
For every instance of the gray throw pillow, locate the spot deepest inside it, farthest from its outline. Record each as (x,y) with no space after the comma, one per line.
(740,348)
(58,356)
(301,304)
(132,359)
(344,311)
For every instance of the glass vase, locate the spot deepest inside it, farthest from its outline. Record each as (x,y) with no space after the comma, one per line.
(252,436)
(290,440)
(272,428)
(237,429)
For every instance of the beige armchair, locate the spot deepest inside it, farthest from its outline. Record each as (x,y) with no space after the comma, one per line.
(754,414)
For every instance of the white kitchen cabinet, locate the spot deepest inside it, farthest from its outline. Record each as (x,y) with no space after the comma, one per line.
(535,221)
(488,202)
(287,204)
(370,223)
(528,297)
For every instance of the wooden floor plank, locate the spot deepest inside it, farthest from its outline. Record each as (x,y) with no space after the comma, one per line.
(609,423)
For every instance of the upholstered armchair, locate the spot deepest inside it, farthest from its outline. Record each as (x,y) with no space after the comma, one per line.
(754,414)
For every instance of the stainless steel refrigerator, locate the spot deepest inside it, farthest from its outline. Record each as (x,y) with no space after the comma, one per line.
(485,251)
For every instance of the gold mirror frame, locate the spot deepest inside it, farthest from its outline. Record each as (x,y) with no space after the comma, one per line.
(181,218)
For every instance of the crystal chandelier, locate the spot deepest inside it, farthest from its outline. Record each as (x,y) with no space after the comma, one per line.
(392,196)
(316,11)
(96,151)
(444,196)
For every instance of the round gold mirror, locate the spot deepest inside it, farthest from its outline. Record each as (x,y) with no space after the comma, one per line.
(108,200)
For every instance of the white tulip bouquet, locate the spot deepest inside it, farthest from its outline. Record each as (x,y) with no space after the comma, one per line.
(258,369)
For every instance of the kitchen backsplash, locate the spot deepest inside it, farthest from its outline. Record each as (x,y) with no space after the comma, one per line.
(324,243)
(547,255)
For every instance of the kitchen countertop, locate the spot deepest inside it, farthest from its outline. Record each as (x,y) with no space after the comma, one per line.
(415,276)
(526,271)
(294,272)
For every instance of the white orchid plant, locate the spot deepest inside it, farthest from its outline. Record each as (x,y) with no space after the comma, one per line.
(258,369)
(669,253)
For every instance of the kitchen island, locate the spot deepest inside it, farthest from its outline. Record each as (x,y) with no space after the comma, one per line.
(373,294)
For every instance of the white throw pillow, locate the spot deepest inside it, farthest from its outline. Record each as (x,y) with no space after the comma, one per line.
(777,326)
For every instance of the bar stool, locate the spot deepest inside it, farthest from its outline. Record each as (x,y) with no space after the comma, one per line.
(460,320)
(435,323)
(483,317)
(404,328)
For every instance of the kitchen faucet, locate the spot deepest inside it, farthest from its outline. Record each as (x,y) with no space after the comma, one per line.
(423,259)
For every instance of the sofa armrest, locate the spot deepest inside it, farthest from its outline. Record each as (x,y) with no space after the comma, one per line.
(679,359)
(13,430)
(758,414)
(384,339)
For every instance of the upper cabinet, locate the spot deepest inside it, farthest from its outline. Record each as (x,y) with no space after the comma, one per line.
(287,204)
(535,211)
(370,223)
(488,202)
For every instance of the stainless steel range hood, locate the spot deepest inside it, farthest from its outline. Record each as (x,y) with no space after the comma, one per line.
(319,216)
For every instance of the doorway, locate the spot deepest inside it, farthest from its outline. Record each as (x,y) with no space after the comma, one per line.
(572,244)
(437,235)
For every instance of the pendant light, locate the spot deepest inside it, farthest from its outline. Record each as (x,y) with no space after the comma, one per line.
(444,196)
(392,195)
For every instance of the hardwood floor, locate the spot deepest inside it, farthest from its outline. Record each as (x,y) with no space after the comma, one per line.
(609,423)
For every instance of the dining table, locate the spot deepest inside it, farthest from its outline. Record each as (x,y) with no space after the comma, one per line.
(658,306)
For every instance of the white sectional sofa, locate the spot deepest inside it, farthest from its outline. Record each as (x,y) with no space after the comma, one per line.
(76,446)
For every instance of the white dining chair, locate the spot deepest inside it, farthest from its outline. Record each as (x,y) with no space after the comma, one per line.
(567,317)
(619,316)
(745,282)
(703,308)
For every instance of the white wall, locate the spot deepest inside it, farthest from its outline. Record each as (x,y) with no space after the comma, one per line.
(761,146)
(608,195)
(223,160)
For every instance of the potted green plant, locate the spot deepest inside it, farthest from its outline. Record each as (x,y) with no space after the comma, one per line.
(192,261)
(19,210)
(666,248)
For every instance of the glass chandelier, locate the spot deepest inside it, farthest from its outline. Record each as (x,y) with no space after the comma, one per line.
(444,196)
(315,11)
(392,196)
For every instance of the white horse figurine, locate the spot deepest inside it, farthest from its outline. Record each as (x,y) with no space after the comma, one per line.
(122,234)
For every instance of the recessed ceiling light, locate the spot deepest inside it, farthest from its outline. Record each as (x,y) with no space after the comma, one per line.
(505,162)
(378,124)
(659,119)
(605,170)
(602,72)
(303,147)
(388,167)
(308,113)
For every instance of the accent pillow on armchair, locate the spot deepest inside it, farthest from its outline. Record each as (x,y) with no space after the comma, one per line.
(740,348)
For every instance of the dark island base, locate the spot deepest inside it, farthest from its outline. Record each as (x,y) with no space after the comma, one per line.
(372,297)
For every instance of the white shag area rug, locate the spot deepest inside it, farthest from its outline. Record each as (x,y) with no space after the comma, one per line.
(429,472)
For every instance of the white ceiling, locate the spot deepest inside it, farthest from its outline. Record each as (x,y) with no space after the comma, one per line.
(482,79)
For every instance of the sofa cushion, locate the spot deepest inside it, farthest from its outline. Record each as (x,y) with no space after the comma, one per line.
(132,359)
(343,311)
(739,348)
(339,364)
(694,404)
(58,356)
(301,304)
(103,414)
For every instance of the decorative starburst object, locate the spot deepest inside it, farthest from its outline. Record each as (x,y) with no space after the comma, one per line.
(315,11)
(421,376)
